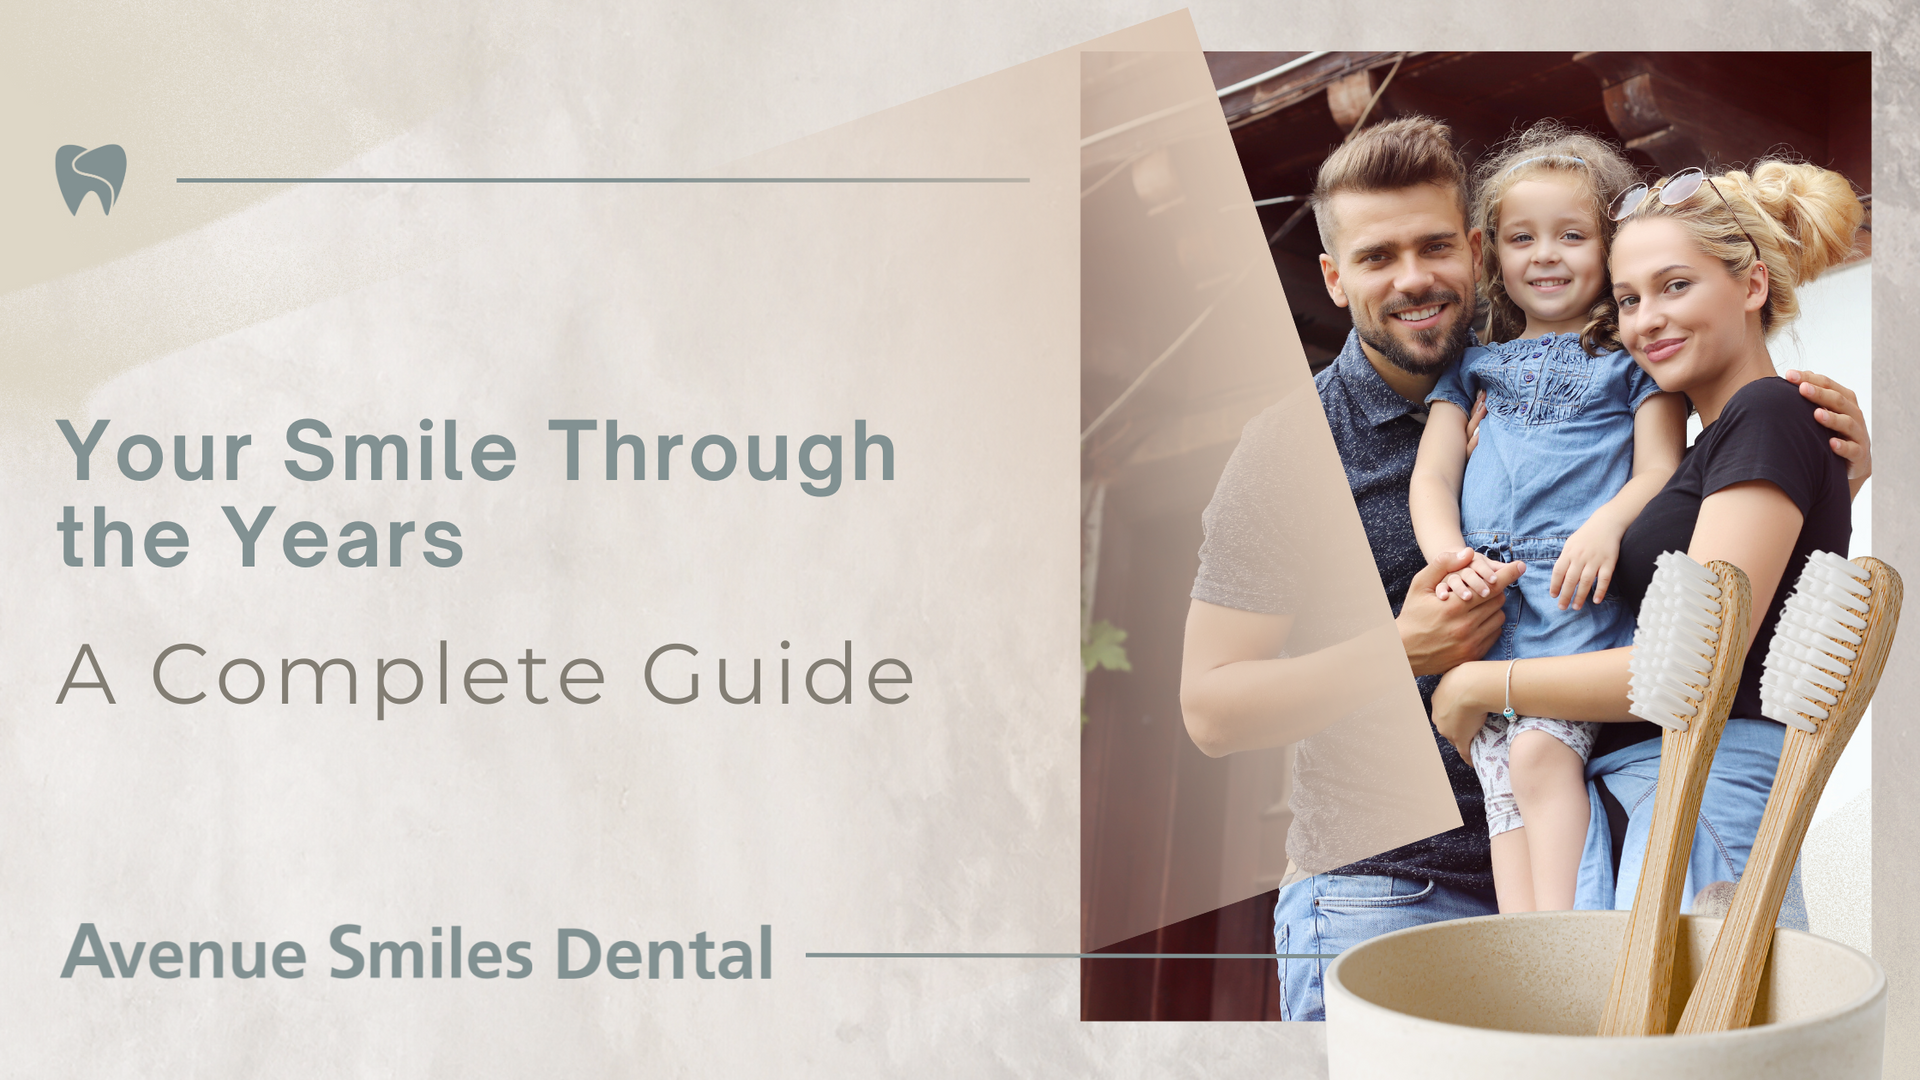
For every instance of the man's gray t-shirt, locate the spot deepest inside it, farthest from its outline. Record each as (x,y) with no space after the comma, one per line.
(1249,558)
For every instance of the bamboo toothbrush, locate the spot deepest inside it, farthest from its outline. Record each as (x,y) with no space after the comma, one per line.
(1822,668)
(1687,654)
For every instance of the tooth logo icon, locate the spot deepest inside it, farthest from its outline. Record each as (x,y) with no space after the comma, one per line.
(100,170)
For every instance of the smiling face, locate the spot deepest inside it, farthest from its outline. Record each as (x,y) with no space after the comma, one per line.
(1551,259)
(1405,270)
(1689,323)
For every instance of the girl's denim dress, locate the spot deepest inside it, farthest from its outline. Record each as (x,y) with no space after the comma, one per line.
(1556,445)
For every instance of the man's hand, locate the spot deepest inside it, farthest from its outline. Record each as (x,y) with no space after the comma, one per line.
(1439,634)
(1478,414)
(1840,411)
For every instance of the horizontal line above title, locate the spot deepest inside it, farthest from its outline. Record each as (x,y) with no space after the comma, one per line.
(602,180)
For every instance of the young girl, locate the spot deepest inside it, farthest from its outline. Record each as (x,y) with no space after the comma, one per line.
(1572,446)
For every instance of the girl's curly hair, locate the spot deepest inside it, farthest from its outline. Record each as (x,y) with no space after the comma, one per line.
(1547,149)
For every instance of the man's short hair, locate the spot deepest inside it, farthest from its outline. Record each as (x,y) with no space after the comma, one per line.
(1387,157)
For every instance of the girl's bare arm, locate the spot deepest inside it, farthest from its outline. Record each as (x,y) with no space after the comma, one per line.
(1433,495)
(1587,562)
(1752,525)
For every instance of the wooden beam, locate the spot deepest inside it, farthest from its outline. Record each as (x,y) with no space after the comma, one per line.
(1684,109)
(1349,95)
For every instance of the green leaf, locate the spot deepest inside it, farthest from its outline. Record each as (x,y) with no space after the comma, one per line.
(1104,648)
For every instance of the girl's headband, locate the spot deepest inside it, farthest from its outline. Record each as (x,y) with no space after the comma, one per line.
(1547,157)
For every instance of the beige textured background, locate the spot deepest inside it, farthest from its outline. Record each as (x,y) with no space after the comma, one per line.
(950,828)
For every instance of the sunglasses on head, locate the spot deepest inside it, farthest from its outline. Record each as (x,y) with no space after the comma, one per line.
(1673,191)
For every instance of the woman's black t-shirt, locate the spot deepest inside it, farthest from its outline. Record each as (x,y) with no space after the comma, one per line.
(1766,432)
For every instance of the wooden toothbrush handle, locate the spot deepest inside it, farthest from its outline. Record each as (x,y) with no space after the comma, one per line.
(1729,983)
(1640,1000)
(1724,995)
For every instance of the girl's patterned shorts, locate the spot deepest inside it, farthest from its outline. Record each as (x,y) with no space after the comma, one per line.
(1490,749)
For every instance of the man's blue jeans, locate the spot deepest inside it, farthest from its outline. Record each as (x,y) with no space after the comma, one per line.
(1328,913)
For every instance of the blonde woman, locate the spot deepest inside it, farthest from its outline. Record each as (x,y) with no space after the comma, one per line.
(1704,269)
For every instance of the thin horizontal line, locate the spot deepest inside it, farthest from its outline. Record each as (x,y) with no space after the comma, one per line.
(1069,956)
(601,180)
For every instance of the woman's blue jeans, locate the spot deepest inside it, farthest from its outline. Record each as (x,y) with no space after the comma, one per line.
(1730,810)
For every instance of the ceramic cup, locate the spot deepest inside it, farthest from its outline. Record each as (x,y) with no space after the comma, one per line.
(1520,995)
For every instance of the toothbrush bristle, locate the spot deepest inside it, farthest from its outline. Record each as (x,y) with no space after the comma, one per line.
(1675,643)
(1814,645)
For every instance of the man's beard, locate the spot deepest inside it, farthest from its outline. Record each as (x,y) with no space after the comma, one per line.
(1442,344)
